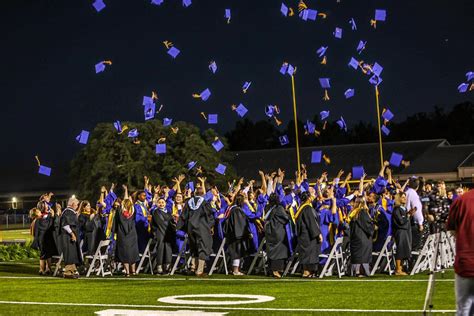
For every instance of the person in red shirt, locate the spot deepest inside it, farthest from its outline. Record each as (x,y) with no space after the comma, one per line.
(461,221)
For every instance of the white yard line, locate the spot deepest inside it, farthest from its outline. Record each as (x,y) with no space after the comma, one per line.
(230,279)
(337,310)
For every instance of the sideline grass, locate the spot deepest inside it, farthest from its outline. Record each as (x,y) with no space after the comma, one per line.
(15,234)
(329,293)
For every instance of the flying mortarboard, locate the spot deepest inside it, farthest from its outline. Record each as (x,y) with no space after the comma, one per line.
(241,110)
(191,164)
(463,87)
(377,69)
(100,67)
(227,15)
(186,3)
(167,121)
(470,75)
(291,70)
(208,196)
(349,93)
(133,133)
(118,126)
(283,140)
(157,2)
(342,124)
(46,171)
(310,127)
(387,115)
(322,51)
(204,95)
(149,111)
(353,24)
(338,33)
(396,159)
(324,82)
(361,46)
(212,119)
(221,169)
(83,137)
(173,52)
(354,63)
(375,80)
(148,100)
(246,86)
(385,130)
(213,67)
(357,172)
(217,144)
(284,9)
(323,115)
(316,156)
(380,15)
(190,186)
(308,14)
(271,110)
(160,149)
(98,5)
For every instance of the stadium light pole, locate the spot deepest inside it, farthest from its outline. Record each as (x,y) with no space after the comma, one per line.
(296,123)
(379,126)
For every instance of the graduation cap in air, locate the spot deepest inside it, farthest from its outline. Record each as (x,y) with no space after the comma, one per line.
(310,127)
(353,24)
(167,121)
(212,119)
(463,87)
(349,93)
(377,69)
(375,80)
(204,95)
(385,130)
(227,15)
(208,196)
(240,109)
(316,156)
(220,169)
(46,171)
(342,124)
(284,140)
(83,137)
(286,68)
(353,63)
(147,100)
(357,172)
(470,75)
(160,149)
(157,2)
(271,110)
(217,144)
(133,133)
(190,186)
(100,67)
(396,159)
(323,115)
(284,9)
(322,51)
(325,84)
(191,164)
(118,126)
(246,86)
(338,33)
(186,3)
(149,111)
(308,14)
(213,67)
(98,5)
(387,115)
(172,51)
(380,15)
(361,46)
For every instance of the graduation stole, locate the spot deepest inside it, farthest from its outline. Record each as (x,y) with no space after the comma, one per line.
(32,228)
(175,210)
(307,203)
(145,213)
(110,220)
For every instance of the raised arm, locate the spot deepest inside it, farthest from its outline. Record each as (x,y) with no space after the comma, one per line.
(125,192)
(263,180)
(382,170)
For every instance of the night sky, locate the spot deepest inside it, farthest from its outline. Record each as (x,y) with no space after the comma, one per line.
(50,91)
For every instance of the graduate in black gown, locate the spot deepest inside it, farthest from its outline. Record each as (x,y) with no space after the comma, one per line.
(126,250)
(197,220)
(164,234)
(309,236)
(361,231)
(90,227)
(69,238)
(237,233)
(42,231)
(401,230)
(276,219)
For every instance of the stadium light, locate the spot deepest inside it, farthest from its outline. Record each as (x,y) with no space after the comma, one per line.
(14,203)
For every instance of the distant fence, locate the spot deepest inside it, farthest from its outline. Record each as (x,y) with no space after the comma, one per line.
(14,221)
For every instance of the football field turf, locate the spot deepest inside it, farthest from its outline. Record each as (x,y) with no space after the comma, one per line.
(23,292)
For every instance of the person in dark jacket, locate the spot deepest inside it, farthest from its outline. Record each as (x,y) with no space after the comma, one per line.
(164,234)
(43,238)
(309,236)
(69,238)
(401,230)
(275,234)
(126,250)
(197,220)
(90,227)
(237,233)
(361,231)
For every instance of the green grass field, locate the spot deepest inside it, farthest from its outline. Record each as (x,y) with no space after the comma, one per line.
(20,284)
(15,234)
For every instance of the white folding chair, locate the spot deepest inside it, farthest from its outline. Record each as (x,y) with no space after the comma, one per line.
(181,254)
(385,253)
(219,255)
(335,257)
(58,264)
(424,261)
(262,255)
(146,255)
(99,259)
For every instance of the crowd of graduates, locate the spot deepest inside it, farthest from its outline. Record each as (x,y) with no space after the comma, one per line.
(294,217)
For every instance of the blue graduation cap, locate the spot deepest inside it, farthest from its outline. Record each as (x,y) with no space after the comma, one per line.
(191,164)
(375,80)
(322,51)
(284,140)
(149,111)
(470,75)
(349,93)
(377,69)
(271,110)
(385,130)
(308,14)
(387,115)
(463,87)
(284,68)
(98,5)
(353,24)
(204,95)
(246,86)
(160,149)
(342,124)
(46,171)
(323,115)
(338,33)
(324,82)
(190,186)
(357,172)
(291,70)
(316,156)
(310,127)
(213,67)
(83,137)
(212,119)
(380,15)
(284,9)
(173,52)
(133,133)
(241,110)
(221,169)
(186,3)
(218,145)
(118,126)
(99,67)
(361,46)
(167,121)
(396,159)
(147,100)
(353,63)
(157,2)
(227,15)
(208,196)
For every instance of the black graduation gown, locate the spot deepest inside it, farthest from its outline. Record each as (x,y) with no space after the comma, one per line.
(57,231)
(126,250)
(308,231)
(237,233)
(92,231)
(275,233)
(164,234)
(401,231)
(43,231)
(70,249)
(196,220)
(362,229)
